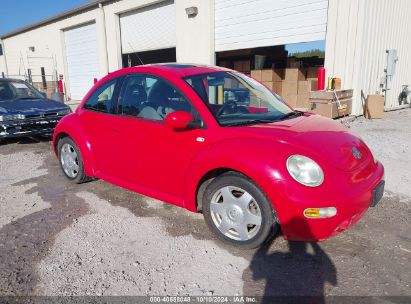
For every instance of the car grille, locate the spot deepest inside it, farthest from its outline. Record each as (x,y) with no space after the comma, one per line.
(41,115)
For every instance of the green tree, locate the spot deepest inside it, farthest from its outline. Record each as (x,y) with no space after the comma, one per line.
(310,53)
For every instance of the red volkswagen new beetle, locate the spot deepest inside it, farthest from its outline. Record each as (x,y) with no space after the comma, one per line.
(213,140)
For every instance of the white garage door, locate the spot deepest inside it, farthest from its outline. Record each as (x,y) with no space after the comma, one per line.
(241,24)
(82,59)
(149,28)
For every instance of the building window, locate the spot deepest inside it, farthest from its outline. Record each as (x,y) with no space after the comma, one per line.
(1,50)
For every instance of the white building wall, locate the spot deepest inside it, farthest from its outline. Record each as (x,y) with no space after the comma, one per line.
(195,36)
(3,63)
(358,34)
(113,33)
(48,42)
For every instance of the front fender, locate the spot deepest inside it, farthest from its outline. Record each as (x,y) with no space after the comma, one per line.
(70,125)
(257,159)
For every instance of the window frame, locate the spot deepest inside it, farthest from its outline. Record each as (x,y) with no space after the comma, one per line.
(145,74)
(119,82)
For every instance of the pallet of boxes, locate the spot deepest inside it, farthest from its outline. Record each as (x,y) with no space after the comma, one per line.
(331,104)
(292,84)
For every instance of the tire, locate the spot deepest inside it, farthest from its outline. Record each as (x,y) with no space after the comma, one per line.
(75,172)
(228,202)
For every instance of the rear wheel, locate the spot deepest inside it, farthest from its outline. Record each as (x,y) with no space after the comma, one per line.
(71,161)
(237,211)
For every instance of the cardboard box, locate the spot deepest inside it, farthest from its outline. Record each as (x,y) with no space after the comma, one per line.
(289,88)
(290,99)
(303,100)
(332,109)
(256,74)
(312,73)
(294,64)
(238,66)
(292,74)
(328,96)
(313,84)
(242,65)
(304,87)
(272,75)
(268,84)
(374,107)
(226,64)
(230,83)
(246,66)
(337,83)
(275,86)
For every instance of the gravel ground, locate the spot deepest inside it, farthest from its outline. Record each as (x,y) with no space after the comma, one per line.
(98,239)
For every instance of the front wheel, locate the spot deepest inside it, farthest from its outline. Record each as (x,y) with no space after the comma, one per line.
(238,212)
(71,161)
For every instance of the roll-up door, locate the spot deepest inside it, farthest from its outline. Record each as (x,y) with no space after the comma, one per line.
(82,59)
(242,24)
(149,28)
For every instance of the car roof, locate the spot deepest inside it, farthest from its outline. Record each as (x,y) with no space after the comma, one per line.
(11,80)
(180,69)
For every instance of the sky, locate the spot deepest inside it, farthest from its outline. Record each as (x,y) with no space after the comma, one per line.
(15,14)
(305,46)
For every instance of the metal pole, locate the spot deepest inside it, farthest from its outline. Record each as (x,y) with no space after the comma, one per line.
(43,78)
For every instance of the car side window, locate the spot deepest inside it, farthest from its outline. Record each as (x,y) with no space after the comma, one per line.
(151,98)
(134,94)
(102,99)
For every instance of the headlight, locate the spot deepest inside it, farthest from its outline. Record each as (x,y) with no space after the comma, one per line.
(11,117)
(64,112)
(305,171)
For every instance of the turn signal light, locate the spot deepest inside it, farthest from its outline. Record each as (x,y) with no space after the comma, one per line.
(320,212)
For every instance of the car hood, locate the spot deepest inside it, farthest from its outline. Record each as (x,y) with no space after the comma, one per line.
(30,106)
(322,137)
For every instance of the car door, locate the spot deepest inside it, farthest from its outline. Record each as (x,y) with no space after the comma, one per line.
(150,154)
(99,123)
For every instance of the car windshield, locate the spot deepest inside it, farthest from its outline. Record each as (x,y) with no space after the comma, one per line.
(235,99)
(16,90)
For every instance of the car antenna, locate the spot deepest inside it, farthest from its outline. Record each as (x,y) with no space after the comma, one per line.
(134,51)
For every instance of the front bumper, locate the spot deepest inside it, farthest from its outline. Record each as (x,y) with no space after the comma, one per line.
(351,202)
(28,127)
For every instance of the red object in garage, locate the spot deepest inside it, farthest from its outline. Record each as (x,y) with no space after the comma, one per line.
(61,88)
(200,138)
(321,79)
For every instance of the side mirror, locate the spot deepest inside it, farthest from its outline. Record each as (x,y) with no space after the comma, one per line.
(179,120)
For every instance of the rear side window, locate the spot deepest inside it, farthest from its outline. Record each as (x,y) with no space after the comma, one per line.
(102,100)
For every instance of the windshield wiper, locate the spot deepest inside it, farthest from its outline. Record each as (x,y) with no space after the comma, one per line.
(292,114)
(249,122)
(27,97)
